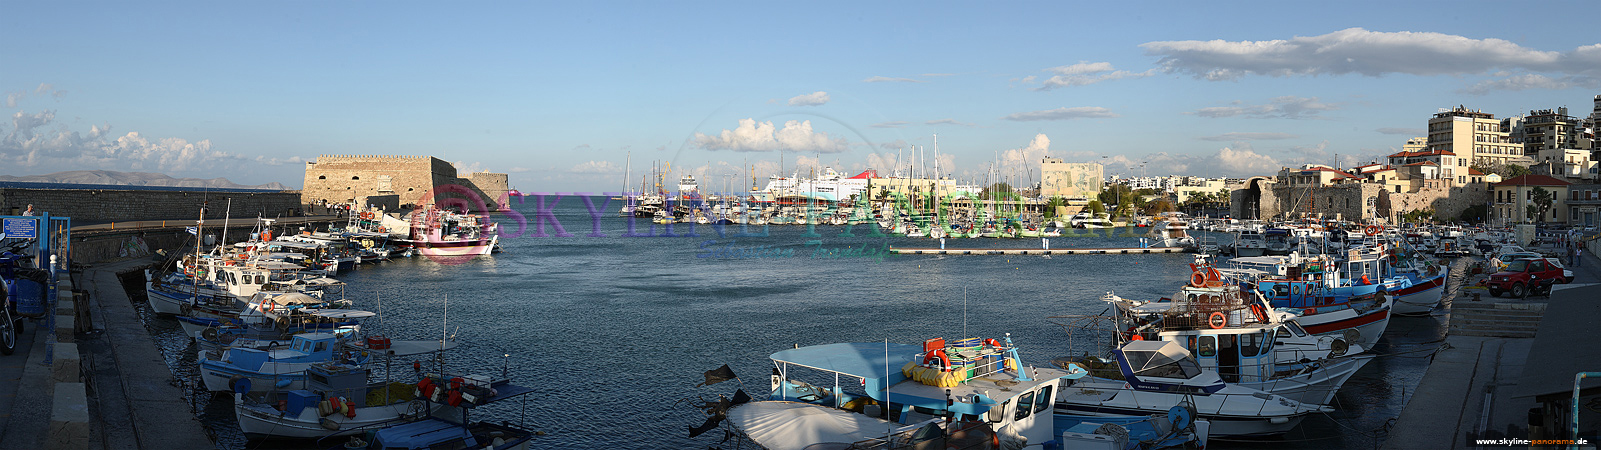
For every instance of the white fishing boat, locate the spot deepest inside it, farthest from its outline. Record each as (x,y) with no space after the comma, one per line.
(338,399)
(1147,377)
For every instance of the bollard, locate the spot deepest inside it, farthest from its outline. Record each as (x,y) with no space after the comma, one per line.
(67,366)
(69,418)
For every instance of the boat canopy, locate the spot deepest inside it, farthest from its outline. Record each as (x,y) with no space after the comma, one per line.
(797,426)
(292,298)
(1146,355)
(870,360)
(342,313)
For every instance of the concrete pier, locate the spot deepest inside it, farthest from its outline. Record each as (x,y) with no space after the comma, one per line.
(108,388)
(1038,251)
(1501,354)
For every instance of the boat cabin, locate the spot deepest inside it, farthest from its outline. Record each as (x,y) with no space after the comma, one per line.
(1163,366)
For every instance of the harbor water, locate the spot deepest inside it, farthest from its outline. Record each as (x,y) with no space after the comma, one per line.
(613,330)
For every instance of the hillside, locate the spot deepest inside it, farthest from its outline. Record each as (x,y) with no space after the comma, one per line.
(134,179)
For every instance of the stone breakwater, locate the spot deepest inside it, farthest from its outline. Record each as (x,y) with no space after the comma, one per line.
(109,205)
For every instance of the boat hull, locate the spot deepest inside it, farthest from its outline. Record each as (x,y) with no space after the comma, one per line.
(1317,387)
(216,375)
(1420,298)
(1369,324)
(262,421)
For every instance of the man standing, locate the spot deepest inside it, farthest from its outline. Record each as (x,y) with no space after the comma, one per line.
(1578,253)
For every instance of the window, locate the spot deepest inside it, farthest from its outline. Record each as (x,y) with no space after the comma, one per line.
(1044,401)
(355,178)
(1208,346)
(322,177)
(1025,405)
(1249,346)
(322,346)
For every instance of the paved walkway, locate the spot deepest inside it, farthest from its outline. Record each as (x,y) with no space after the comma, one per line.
(1479,386)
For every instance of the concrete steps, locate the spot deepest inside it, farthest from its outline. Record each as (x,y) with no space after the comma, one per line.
(1494,319)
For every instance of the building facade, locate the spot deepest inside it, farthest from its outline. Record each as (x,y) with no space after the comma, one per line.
(1474,137)
(1512,200)
(1070,180)
(1583,201)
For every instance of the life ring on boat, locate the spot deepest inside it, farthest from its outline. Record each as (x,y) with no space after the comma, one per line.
(993,343)
(266,236)
(1197,279)
(1373,230)
(1217,320)
(945,360)
(1260,312)
(1136,338)
(383,230)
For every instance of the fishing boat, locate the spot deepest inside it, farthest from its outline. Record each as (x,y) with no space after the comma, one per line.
(242,369)
(1147,377)
(1249,243)
(438,233)
(446,420)
(338,399)
(969,393)
(1347,298)
(1233,331)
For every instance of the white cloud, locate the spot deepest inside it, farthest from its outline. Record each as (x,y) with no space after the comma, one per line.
(1244,161)
(1078,112)
(1248,137)
(753,136)
(1359,51)
(949,122)
(890,80)
(596,167)
(1286,107)
(13,98)
(1028,157)
(1532,81)
(1085,73)
(813,99)
(37,141)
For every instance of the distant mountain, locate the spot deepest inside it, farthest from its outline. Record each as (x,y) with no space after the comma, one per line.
(134,179)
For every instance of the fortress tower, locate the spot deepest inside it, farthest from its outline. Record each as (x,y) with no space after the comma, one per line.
(395,181)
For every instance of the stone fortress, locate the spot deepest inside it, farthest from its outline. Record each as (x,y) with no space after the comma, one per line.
(392,182)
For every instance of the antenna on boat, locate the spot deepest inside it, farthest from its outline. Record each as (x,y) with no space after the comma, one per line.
(964,312)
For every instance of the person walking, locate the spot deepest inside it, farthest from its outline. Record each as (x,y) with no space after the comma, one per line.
(1578,254)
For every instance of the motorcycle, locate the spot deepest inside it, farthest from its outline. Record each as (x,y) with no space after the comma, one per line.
(22,288)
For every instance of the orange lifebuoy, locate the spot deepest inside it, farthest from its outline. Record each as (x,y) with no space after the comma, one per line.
(1217,320)
(944,360)
(1136,338)
(1373,230)
(1260,312)
(1197,279)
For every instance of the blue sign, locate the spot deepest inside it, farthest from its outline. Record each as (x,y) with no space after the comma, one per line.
(22,228)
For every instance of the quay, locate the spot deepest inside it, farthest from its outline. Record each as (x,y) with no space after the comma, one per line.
(1038,251)
(1506,368)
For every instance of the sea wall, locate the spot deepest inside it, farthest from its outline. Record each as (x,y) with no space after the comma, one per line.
(88,206)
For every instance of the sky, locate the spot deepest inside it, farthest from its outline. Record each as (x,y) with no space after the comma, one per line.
(571,96)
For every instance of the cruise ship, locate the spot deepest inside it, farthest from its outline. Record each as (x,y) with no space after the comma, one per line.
(830,186)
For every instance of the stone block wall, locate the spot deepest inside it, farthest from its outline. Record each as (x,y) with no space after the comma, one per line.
(415,180)
(89,206)
(1447,203)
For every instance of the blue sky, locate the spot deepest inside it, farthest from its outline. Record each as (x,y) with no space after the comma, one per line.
(559,95)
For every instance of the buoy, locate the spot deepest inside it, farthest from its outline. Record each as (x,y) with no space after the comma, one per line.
(350,409)
(1197,279)
(1217,320)
(240,384)
(1136,338)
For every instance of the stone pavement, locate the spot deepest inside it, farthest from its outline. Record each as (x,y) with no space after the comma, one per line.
(1478,386)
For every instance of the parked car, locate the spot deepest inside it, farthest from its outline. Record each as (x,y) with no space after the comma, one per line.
(1567,274)
(1521,275)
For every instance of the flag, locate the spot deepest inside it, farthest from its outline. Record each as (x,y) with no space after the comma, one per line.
(711,422)
(718,375)
(193,230)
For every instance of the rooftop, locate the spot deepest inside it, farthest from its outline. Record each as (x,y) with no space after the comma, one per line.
(1533,180)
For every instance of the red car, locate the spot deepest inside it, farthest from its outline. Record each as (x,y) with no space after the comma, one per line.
(1522,274)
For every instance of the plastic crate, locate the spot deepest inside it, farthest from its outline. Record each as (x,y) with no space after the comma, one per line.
(28,292)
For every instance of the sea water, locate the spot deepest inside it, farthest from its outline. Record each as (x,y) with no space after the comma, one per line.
(612,323)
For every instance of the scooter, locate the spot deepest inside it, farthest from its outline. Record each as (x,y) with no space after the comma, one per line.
(23,290)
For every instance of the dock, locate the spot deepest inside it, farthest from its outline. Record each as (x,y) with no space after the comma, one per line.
(1038,251)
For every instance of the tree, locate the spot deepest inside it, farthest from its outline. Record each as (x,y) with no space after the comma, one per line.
(1050,206)
(1096,207)
(1542,202)
(1506,171)
(996,190)
(1157,207)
